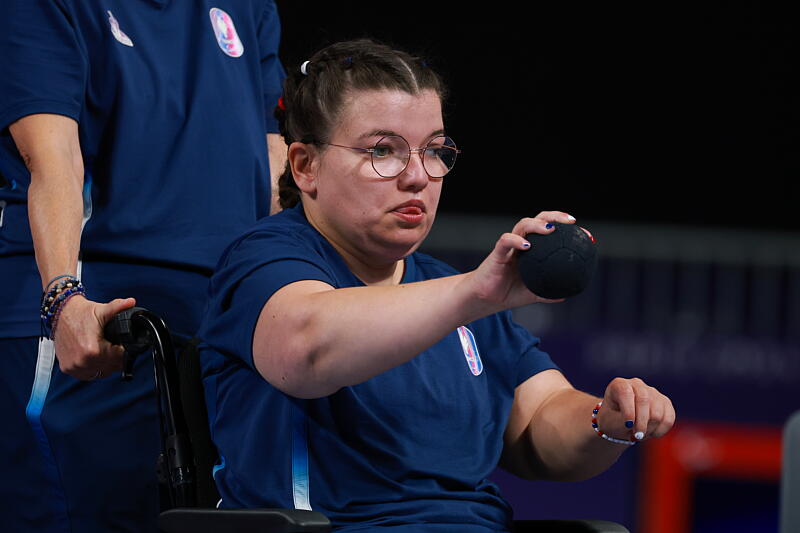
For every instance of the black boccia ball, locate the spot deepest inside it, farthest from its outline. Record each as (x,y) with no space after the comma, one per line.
(559,264)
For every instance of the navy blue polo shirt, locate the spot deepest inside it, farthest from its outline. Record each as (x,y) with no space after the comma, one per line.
(409,449)
(173,100)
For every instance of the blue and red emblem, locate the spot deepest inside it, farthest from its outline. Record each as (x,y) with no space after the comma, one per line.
(225,32)
(470,348)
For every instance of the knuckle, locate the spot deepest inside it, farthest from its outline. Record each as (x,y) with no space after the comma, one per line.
(656,416)
(89,350)
(620,386)
(523,224)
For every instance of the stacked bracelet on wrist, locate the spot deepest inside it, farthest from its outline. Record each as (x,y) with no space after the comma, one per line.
(603,435)
(53,301)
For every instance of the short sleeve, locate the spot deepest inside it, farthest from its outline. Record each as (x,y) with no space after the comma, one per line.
(44,68)
(507,341)
(272,72)
(251,271)
(532,359)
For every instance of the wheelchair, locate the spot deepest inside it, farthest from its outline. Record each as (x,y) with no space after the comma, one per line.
(187,453)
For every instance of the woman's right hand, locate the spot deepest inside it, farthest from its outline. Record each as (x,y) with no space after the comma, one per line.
(497,281)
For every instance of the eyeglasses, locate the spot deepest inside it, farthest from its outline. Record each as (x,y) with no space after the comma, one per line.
(391,154)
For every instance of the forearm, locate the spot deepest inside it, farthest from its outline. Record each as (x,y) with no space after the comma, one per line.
(49,146)
(329,339)
(55,212)
(560,444)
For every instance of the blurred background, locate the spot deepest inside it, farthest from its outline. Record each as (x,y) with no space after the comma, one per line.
(672,134)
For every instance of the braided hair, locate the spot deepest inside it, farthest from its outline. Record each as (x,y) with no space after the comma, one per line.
(313,95)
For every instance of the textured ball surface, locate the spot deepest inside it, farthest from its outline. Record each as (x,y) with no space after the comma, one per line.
(559,264)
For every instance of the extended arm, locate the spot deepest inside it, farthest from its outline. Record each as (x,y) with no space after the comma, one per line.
(311,339)
(50,148)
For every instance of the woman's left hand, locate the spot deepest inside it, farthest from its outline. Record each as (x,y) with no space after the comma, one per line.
(631,408)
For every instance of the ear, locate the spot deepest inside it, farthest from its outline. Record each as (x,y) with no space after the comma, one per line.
(304,160)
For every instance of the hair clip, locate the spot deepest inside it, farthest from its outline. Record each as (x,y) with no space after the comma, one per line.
(348,62)
(304,68)
(281,105)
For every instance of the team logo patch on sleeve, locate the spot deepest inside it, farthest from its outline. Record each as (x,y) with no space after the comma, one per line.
(470,348)
(118,34)
(225,32)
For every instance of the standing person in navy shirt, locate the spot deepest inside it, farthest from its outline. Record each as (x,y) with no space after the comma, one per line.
(346,372)
(132,150)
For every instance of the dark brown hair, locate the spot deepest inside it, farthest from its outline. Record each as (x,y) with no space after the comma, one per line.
(312,101)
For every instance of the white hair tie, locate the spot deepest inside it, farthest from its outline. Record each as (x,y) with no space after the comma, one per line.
(304,67)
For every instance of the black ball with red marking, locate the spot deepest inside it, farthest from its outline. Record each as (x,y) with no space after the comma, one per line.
(559,264)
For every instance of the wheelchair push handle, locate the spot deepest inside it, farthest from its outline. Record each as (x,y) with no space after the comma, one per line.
(121,330)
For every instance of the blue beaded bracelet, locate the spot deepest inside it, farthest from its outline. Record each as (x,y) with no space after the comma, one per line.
(67,295)
(54,299)
(58,278)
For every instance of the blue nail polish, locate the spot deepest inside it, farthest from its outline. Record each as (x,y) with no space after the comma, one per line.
(526,245)
(629,424)
(549,226)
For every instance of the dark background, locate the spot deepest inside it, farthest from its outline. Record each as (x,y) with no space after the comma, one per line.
(633,113)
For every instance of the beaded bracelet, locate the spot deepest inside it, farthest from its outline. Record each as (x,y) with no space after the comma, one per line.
(54,299)
(603,435)
(49,296)
(58,278)
(67,295)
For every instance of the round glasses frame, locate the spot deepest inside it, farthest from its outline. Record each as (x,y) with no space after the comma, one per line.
(441,148)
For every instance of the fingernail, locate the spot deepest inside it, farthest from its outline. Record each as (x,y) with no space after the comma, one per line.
(629,424)
(639,435)
(548,226)
(572,218)
(526,244)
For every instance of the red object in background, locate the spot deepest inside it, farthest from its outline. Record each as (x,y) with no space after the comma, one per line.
(692,450)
